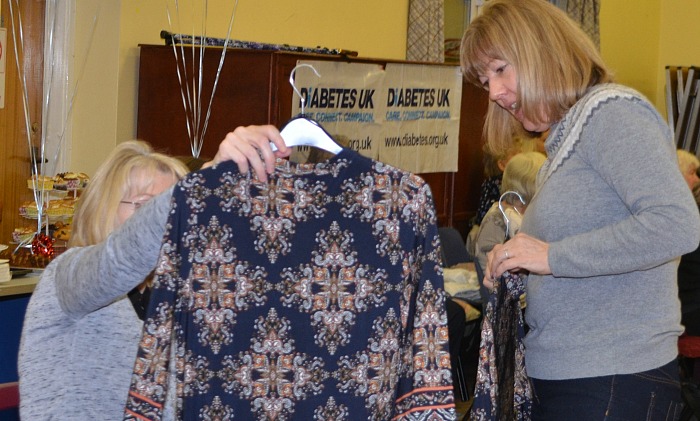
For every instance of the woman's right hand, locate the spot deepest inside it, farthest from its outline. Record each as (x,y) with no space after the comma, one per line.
(522,252)
(249,147)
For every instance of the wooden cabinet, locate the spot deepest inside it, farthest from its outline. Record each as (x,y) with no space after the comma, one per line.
(253,88)
(15,149)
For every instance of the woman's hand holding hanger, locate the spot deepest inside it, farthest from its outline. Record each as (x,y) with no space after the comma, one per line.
(249,147)
(522,252)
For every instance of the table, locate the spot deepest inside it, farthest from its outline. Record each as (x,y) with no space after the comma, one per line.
(22,285)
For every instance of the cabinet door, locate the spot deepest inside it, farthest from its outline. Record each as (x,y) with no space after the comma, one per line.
(242,96)
(14,148)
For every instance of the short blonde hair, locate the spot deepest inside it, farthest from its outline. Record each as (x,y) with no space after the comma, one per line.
(126,170)
(520,174)
(555,61)
(687,162)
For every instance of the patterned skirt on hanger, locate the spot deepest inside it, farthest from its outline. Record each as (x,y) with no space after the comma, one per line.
(502,390)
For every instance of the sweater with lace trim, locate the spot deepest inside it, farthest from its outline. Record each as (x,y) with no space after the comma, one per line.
(617,214)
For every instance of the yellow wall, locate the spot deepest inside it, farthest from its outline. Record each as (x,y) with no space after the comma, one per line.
(679,43)
(106,113)
(638,39)
(629,33)
(455,17)
(95,80)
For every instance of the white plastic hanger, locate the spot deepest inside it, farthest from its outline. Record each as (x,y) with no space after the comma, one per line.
(303,131)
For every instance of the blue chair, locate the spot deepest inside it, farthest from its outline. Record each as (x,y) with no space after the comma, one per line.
(454,251)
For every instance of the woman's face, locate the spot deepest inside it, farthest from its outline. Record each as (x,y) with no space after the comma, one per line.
(691,176)
(501,81)
(133,200)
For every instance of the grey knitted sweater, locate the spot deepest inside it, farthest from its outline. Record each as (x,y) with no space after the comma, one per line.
(617,215)
(81,332)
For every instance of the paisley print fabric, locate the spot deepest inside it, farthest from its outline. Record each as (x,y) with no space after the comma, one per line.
(502,390)
(317,295)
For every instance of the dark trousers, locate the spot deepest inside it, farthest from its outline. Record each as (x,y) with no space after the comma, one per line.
(650,395)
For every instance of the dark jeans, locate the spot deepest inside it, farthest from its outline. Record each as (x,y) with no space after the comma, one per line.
(650,395)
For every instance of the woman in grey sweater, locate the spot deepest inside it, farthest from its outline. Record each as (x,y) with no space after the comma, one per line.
(81,331)
(602,236)
(79,335)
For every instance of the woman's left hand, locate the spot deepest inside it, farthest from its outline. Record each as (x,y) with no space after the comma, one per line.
(522,252)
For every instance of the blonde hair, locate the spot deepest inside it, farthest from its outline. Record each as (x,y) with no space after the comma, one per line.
(687,162)
(127,169)
(554,60)
(520,174)
(493,155)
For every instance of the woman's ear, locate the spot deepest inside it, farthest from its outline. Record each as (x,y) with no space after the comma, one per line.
(502,164)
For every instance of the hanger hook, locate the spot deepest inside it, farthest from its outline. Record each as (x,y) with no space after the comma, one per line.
(291,81)
(503,211)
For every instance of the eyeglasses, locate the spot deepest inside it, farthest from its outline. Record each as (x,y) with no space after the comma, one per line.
(136,205)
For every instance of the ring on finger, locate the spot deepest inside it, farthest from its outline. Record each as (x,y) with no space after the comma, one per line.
(506,253)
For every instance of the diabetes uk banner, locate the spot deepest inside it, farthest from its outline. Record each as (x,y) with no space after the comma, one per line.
(405,115)
(420,131)
(343,100)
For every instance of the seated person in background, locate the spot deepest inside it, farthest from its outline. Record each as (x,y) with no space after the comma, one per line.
(495,162)
(689,164)
(689,285)
(520,175)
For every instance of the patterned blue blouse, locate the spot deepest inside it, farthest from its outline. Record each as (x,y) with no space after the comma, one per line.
(317,295)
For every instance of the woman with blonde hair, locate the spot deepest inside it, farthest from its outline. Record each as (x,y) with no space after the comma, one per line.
(520,176)
(494,161)
(601,238)
(81,331)
(120,186)
(79,338)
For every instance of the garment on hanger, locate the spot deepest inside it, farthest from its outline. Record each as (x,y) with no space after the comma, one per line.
(502,391)
(317,295)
